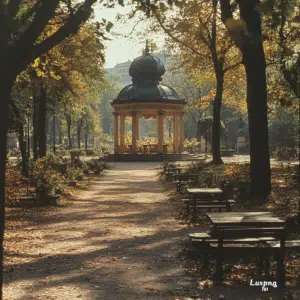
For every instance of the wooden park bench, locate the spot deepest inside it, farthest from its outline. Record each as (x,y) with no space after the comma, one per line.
(248,235)
(206,199)
(183,179)
(169,171)
(227,152)
(194,205)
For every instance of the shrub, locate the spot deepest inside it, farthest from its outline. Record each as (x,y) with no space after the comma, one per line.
(90,152)
(72,173)
(96,164)
(283,153)
(75,153)
(191,145)
(46,178)
(196,167)
(233,179)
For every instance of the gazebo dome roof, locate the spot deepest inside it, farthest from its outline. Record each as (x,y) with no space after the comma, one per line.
(146,72)
(148,92)
(146,67)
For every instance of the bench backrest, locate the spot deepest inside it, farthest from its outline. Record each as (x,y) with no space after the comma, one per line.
(172,170)
(210,200)
(209,197)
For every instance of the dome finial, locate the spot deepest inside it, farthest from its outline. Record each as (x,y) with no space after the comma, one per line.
(147,50)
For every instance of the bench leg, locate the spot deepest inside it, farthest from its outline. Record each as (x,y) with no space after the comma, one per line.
(205,261)
(219,269)
(188,208)
(180,189)
(260,264)
(194,212)
(280,270)
(205,246)
(267,266)
(263,264)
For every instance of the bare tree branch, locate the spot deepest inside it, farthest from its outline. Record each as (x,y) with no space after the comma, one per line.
(71,27)
(12,9)
(42,17)
(32,51)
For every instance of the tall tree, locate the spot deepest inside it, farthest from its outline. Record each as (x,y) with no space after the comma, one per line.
(201,37)
(247,34)
(22,24)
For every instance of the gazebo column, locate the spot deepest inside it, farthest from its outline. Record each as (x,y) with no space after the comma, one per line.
(160,130)
(175,133)
(116,132)
(134,131)
(122,132)
(137,127)
(181,132)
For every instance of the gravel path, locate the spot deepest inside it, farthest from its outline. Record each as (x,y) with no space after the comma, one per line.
(118,240)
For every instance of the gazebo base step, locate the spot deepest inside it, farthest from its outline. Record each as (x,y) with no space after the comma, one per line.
(153,157)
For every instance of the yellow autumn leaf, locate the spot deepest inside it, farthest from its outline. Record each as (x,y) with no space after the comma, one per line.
(40,73)
(54,76)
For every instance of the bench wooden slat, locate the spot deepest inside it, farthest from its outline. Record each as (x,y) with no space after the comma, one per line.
(250,232)
(288,244)
(200,235)
(267,238)
(188,201)
(211,206)
(229,241)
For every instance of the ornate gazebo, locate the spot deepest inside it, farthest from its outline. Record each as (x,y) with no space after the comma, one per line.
(149,98)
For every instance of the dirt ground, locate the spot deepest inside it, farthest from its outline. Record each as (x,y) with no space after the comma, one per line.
(118,240)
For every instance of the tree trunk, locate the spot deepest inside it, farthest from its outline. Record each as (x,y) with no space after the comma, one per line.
(35,127)
(255,66)
(53,133)
(49,131)
(42,119)
(5,92)
(219,74)
(216,125)
(60,137)
(86,134)
(21,137)
(69,122)
(79,127)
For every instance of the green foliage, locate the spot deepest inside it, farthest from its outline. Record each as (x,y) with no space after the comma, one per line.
(46,179)
(283,153)
(75,153)
(72,173)
(191,145)
(233,179)
(91,151)
(95,165)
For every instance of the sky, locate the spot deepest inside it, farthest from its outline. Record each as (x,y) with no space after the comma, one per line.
(120,48)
